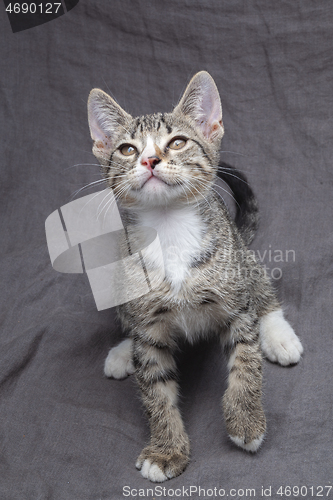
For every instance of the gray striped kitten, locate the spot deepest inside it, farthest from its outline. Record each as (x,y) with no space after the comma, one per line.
(162,169)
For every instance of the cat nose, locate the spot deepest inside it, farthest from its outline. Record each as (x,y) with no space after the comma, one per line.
(151,161)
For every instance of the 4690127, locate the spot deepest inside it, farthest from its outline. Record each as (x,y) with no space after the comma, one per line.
(33,8)
(304,491)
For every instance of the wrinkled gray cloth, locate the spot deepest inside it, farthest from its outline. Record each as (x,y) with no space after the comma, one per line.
(67,432)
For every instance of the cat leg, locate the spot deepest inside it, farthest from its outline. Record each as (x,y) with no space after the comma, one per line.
(278,340)
(168,452)
(119,362)
(243,412)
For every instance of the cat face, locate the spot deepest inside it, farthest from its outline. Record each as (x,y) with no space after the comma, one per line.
(160,159)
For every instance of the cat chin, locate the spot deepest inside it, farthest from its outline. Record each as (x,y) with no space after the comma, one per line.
(156,193)
(154,185)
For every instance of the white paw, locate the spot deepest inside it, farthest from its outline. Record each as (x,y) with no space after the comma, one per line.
(151,472)
(119,363)
(253,446)
(278,340)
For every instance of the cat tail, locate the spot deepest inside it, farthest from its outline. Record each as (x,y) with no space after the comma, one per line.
(247,216)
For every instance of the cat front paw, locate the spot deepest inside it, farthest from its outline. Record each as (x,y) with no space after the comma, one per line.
(252,446)
(279,342)
(119,362)
(246,428)
(158,467)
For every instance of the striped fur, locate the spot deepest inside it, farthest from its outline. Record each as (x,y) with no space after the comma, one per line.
(212,286)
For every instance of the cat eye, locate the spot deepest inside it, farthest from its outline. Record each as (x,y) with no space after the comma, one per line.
(177,143)
(127,150)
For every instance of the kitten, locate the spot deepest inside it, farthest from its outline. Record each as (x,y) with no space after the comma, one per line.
(162,169)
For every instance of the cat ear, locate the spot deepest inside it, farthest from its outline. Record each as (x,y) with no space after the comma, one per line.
(201,102)
(106,120)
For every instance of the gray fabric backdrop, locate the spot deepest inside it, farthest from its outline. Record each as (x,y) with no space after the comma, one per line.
(68,433)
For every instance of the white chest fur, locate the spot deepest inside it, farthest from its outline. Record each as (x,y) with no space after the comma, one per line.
(180,233)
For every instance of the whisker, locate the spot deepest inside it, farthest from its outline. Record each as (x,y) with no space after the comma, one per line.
(230,194)
(204,184)
(114,200)
(201,194)
(107,206)
(105,197)
(91,199)
(224,171)
(183,188)
(198,202)
(100,181)
(235,153)
(83,165)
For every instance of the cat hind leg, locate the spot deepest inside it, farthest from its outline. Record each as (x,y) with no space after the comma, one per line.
(119,362)
(279,342)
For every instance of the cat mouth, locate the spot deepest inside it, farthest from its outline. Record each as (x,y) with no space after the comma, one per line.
(153,180)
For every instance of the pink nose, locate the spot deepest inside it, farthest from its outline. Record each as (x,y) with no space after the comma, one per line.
(150,162)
